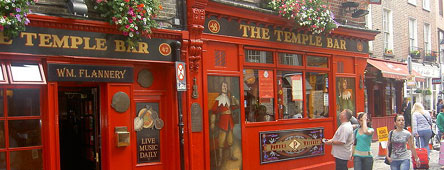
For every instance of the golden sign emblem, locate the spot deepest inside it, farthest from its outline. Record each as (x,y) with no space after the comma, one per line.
(165,49)
(214,26)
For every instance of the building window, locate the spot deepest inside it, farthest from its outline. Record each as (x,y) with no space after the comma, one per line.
(390,99)
(413,2)
(300,92)
(441,6)
(426,5)
(256,56)
(413,42)
(387,29)
(21,127)
(427,39)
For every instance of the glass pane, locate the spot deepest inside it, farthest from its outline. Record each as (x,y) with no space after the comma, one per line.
(388,99)
(23,160)
(24,133)
(255,56)
(2,134)
(2,160)
(290,94)
(290,59)
(258,95)
(313,61)
(316,90)
(25,72)
(23,102)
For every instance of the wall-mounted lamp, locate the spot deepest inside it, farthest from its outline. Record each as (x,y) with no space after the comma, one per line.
(78,7)
(352,8)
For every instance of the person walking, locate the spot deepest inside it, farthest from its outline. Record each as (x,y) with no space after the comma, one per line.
(421,126)
(407,111)
(440,126)
(362,157)
(400,158)
(342,141)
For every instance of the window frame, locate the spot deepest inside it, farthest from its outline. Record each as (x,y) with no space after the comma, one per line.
(413,35)
(276,67)
(427,38)
(411,2)
(426,5)
(6,118)
(387,25)
(4,73)
(41,72)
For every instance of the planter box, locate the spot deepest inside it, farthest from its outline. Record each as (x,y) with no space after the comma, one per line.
(430,58)
(414,55)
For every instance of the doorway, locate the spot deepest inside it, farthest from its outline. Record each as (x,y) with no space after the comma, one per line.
(79,128)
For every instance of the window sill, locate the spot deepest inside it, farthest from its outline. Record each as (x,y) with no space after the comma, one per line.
(411,3)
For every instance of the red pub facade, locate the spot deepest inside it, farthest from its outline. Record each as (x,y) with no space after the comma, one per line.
(237,89)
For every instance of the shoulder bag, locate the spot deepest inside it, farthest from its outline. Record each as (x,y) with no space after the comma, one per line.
(389,148)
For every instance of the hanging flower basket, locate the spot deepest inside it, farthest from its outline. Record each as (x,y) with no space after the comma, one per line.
(134,18)
(312,15)
(13,16)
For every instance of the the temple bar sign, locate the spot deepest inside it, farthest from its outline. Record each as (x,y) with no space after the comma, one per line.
(250,30)
(59,42)
(90,73)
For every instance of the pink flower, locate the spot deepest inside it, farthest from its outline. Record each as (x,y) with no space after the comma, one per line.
(126,26)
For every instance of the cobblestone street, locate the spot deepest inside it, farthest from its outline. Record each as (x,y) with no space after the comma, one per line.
(380,165)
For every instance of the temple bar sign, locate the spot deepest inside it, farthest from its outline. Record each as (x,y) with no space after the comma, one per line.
(251,30)
(60,42)
(91,73)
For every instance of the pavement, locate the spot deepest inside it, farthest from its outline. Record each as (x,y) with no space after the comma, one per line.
(378,163)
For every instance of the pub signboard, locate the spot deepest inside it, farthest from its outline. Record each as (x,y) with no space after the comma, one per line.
(291,144)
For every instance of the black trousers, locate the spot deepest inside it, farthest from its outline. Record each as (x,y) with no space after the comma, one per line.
(341,164)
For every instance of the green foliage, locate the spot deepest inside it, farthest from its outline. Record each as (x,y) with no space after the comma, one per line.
(312,15)
(13,16)
(134,18)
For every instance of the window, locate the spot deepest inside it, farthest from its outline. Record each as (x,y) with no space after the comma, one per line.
(441,4)
(412,34)
(285,88)
(390,99)
(255,56)
(387,29)
(259,95)
(21,73)
(20,125)
(427,39)
(426,5)
(413,2)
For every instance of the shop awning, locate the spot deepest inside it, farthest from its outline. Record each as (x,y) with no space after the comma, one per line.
(391,69)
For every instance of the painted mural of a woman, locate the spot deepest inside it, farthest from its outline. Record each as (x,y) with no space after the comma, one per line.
(345,96)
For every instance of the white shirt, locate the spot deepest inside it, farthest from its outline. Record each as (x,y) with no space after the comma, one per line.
(344,134)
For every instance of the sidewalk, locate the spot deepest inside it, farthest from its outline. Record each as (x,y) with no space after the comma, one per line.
(379,164)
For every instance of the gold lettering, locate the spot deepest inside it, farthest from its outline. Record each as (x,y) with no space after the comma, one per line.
(100,42)
(131,49)
(278,33)
(100,73)
(60,42)
(70,73)
(120,46)
(329,43)
(318,41)
(336,44)
(81,72)
(44,40)
(311,40)
(143,48)
(295,38)
(106,75)
(265,33)
(94,74)
(287,36)
(245,29)
(304,39)
(255,32)
(111,74)
(75,41)
(29,38)
(87,47)
(343,44)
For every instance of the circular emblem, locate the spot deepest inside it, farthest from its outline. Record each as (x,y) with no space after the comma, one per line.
(145,78)
(165,49)
(266,74)
(214,26)
(120,102)
(148,120)
(158,124)
(359,46)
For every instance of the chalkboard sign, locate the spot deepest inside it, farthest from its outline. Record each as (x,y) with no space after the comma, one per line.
(148,139)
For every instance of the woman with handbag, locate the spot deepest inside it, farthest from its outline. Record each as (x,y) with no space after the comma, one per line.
(399,157)
(362,157)
(422,126)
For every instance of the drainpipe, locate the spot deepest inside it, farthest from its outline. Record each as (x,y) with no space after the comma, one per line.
(176,45)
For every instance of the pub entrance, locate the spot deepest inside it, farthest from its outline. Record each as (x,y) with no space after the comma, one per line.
(79,128)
